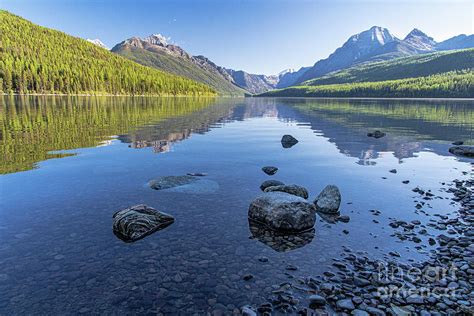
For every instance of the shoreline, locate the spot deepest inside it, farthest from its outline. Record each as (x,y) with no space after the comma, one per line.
(229,96)
(442,284)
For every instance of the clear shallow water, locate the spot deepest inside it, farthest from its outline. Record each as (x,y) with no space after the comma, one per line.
(69,163)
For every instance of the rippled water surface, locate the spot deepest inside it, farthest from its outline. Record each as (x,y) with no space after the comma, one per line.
(69,163)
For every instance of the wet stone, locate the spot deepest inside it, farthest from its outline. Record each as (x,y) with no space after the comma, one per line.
(270,183)
(288,141)
(270,170)
(139,221)
(290,189)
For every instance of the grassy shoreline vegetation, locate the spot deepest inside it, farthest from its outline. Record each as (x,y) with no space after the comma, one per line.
(438,75)
(35,59)
(33,127)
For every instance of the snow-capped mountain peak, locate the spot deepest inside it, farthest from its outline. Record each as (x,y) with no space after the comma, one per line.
(97,42)
(420,40)
(158,39)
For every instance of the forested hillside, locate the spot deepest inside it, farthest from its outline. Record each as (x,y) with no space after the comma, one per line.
(408,67)
(34,59)
(180,66)
(456,84)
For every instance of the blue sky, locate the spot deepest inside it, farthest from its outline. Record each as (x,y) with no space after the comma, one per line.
(255,35)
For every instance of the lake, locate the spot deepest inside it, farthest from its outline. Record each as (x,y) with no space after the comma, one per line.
(69,163)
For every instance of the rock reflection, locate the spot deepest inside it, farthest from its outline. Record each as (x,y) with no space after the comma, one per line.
(329,218)
(278,241)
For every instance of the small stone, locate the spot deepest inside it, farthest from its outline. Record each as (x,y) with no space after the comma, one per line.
(359,312)
(406,181)
(316,300)
(247,277)
(393,170)
(345,304)
(291,267)
(376,134)
(248,311)
(288,141)
(270,170)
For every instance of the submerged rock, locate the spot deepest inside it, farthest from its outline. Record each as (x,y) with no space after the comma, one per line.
(466,151)
(288,141)
(376,134)
(270,170)
(167,182)
(192,184)
(290,189)
(138,221)
(283,212)
(329,200)
(280,241)
(458,142)
(270,183)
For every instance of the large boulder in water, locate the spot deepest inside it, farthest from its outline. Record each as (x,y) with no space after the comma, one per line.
(288,141)
(329,200)
(466,151)
(281,211)
(138,221)
(291,189)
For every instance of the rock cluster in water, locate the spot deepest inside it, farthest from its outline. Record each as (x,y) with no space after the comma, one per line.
(441,285)
(138,221)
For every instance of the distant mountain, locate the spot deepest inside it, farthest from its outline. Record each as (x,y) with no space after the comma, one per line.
(439,74)
(35,59)
(378,44)
(354,49)
(457,42)
(155,51)
(254,84)
(288,78)
(401,68)
(97,42)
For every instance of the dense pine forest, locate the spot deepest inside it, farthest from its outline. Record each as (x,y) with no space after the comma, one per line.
(35,59)
(453,84)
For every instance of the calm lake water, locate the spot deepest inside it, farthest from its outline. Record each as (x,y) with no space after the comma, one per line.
(69,163)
